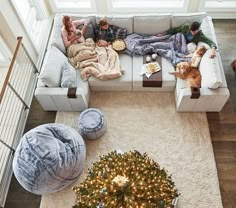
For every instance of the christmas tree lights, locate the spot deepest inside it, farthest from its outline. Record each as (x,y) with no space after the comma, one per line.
(129,180)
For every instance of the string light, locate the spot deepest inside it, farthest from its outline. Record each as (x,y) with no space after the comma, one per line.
(126,180)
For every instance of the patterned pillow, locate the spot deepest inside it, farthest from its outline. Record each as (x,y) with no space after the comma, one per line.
(120,33)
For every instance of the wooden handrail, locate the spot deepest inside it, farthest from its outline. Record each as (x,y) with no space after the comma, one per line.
(10,68)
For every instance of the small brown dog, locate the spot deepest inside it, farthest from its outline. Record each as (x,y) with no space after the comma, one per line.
(184,70)
(233,65)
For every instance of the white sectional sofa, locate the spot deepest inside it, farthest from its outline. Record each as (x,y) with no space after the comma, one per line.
(213,93)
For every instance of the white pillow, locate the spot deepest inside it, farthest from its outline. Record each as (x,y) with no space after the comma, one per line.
(68,78)
(52,67)
(56,34)
(191,47)
(210,71)
(203,44)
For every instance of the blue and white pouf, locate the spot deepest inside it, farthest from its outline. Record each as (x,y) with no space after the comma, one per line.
(92,124)
(49,158)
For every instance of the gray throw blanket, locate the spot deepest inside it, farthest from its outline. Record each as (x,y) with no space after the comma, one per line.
(172,47)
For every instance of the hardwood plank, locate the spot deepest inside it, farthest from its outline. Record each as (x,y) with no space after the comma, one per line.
(225,154)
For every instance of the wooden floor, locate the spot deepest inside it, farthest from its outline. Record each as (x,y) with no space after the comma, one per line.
(223,125)
(222,128)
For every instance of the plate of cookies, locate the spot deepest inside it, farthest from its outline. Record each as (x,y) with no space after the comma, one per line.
(152,67)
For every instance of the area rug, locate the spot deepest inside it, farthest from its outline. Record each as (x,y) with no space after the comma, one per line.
(148,122)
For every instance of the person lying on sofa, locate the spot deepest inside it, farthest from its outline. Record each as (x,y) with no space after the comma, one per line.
(104,33)
(192,33)
(70,34)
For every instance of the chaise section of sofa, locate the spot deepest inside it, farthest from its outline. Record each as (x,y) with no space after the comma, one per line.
(213,93)
(60,87)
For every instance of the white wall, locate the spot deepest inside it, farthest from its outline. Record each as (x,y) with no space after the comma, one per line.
(11,28)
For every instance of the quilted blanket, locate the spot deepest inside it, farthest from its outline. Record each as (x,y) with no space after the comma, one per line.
(172,47)
(101,62)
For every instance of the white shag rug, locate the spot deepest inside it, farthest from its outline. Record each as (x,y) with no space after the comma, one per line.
(148,122)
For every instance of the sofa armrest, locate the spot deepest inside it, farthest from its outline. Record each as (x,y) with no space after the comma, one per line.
(210,100)
(56,99)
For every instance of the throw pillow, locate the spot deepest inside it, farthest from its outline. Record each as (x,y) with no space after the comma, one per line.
(210,71)
(119,33)
(89,32)
(68,78)
(52,67)
(56,34)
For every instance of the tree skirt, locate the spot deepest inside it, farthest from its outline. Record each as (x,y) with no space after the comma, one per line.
(148,122)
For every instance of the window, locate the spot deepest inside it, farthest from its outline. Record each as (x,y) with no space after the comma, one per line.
(218,5)
(82,6)
(5,54)
(148,5)
(33,16)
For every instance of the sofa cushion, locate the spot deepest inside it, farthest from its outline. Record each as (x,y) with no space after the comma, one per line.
(152,25)
(125,22)
(210,71)
(68,77)
(52,67)
(123,83)
(179,19)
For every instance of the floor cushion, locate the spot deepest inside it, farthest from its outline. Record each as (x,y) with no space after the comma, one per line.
(49,158)
(92,123)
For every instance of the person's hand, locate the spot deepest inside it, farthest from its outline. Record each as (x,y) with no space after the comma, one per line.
(76,37)
(213,52)
(85,22)
(102,43)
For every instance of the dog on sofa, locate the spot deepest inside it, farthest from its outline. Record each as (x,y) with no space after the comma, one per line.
(185,71)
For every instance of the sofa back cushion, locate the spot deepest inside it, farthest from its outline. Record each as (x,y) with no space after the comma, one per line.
(125,22)
(179,18)
(152,24)
(210,70)
(208,28)
(52,67)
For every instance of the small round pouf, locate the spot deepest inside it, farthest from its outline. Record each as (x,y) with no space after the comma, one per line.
(92,123)
(49,158)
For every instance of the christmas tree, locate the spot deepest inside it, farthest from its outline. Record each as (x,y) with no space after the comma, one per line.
(129,180)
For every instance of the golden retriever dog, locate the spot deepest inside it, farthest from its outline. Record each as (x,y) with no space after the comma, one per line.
(184,70)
